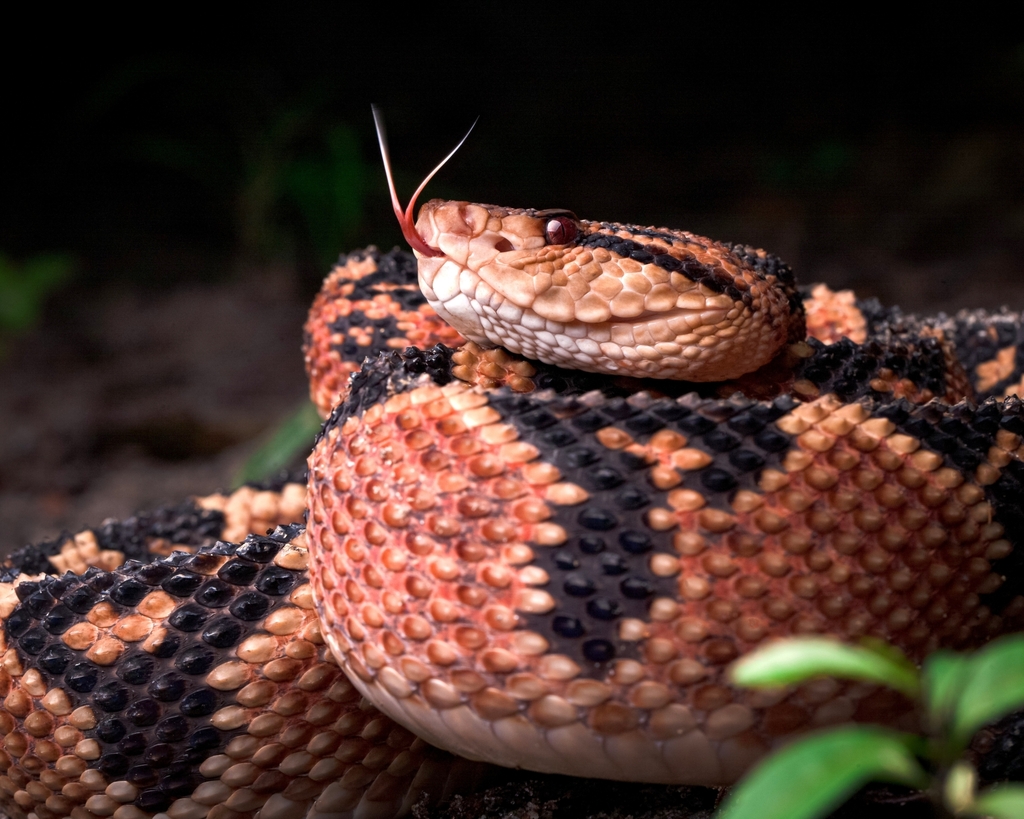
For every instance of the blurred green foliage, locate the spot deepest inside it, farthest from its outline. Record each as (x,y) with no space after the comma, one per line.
(287,171)
(328,191)
(821,167)
(301,186)
(289,442)
(24,288)
(956,694)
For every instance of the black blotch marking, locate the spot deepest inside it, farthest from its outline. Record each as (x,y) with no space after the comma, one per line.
(223,632)
(184,523)
(111,730)
(238,572)
(153,704)
(602,574)
(182,584)
(168,687)
(214,593)
(715,278)
(136,669)
(963,434)
(189,617)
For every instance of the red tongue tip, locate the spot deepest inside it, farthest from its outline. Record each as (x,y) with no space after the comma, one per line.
(416,242)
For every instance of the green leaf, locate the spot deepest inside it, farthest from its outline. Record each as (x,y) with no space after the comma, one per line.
(802,658)
(942,679)
(812,776)
(877,645)
(291,440)
(993,686)
(1002,802)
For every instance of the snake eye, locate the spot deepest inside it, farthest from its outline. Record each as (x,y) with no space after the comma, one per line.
(560,230)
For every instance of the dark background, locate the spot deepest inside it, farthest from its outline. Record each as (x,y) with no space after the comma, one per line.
(196,181)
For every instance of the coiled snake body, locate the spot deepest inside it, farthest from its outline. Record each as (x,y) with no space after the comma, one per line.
(523,564)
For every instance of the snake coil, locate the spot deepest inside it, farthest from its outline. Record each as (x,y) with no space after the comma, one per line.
(523,564)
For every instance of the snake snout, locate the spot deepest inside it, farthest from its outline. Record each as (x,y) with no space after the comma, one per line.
(439,217)
(453,227)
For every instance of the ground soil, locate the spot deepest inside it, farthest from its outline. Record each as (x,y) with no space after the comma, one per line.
(124,399)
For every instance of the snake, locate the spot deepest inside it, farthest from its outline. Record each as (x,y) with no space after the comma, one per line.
(569,472)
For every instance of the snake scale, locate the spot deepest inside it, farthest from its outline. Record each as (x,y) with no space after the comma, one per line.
(525,564)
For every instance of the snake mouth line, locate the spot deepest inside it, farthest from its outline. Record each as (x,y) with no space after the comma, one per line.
(680,326)
(708,317)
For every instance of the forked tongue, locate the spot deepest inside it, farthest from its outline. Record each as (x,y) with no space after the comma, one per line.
(405,218)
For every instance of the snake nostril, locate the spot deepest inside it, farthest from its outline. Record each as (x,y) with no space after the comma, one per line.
(503,245)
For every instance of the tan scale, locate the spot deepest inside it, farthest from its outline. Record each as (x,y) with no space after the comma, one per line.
(990,373)
(1014,390)
(831,315)
(248,510)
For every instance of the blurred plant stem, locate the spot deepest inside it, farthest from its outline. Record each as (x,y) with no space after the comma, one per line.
(291,441)
(328,192)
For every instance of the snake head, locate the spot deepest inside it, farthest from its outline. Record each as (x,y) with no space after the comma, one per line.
(605,297)
(598,296)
